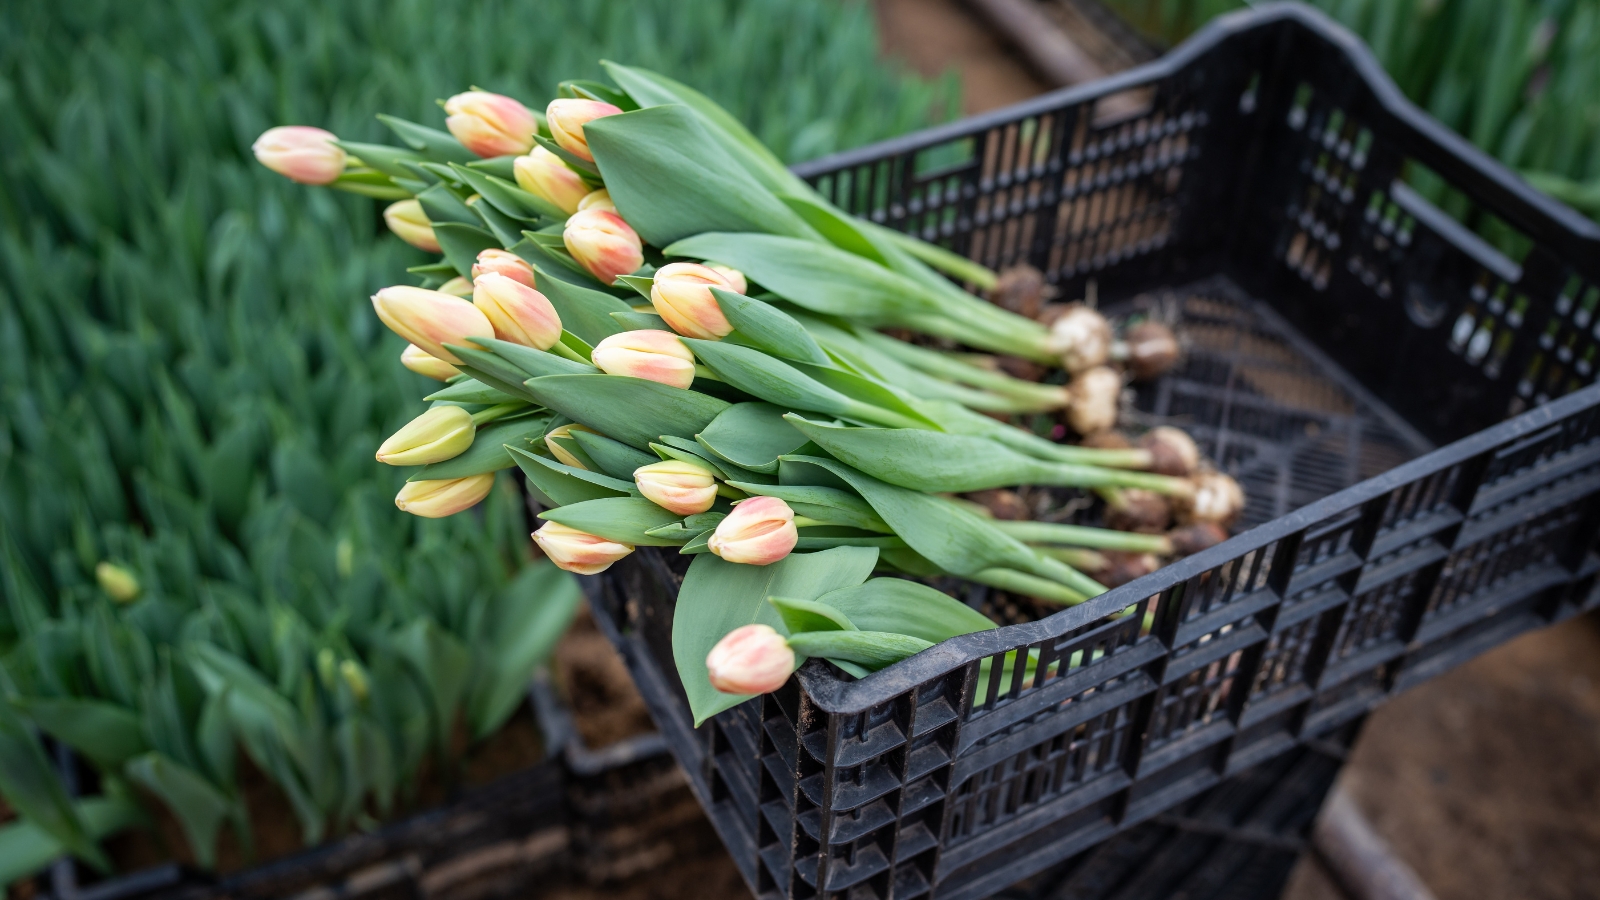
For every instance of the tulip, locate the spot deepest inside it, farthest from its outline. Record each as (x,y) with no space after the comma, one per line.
(735,278)
(441,433)
(603,244)
(518,313)
(649,354)
(681,487)
(600,199)
(562,454)
(457,287)
(118,583)
(430,319)
(577,551)
(567,118)
(301,153)
(681,294)
(356,679)
(543,174)
(759,532)
(437,498)
(419,361)
(407,220)
(504,262)
(1095,393)
(751,659)
(490,124)
(1081,337)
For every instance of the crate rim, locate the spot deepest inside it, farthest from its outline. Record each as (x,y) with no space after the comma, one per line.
(1530,210)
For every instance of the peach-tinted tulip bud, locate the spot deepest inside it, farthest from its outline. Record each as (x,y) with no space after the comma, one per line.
(600,199)
(442,497)
(421,362)
(518,313)
(562,454)
(567,118)
(430,319)
(441,433)
(603,244)
(409,223)
(490,124)
(504,262)
(751,659)
(301,153)
(118,582)
(544,174)
(1082,338)
(759,532)
(735,278)
(649,354)
(681,294)
(577,551)
(681,487)
(457,287)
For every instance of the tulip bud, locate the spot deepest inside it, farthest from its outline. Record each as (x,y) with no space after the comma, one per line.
(1095,393)
(301,153)
(435,499)
(356,679)
(543,174)
(430,319)
(1217,498)
(566,119)
(441,433)
(751,659)
(759,532)
(504,262)
(578,551)
(600,199)
(735,278)
(681,487)
(490,124)
(554,436)
(118,583)
(518,313)
(681,294)
(603,244)
(1081,337)
(1172,451)
(649,354)
(409,223)
(457,287)
(419,361)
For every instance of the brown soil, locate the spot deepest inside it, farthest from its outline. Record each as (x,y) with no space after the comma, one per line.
(935,36)
(595,682)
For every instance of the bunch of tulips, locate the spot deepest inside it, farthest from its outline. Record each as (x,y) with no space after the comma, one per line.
(682,345)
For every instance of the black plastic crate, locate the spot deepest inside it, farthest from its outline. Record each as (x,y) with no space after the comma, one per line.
(1339,325)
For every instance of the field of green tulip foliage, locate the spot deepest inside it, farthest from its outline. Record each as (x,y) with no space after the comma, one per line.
(198,554)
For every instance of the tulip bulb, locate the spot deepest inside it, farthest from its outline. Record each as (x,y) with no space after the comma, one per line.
(301,153)
(410,224)
(600,199)
(649,354)
(430,319)
(1138,510)
(441,433)
(518,313)
(490,124)
(1149,349)
(1081,337)
(1172,451)
(578,551)
(437,498)
(682,487)
(1096,394)
(504,262)
(419,361)
(759,532)
(567,118)
(603,244)
(545,175)
(1216,498)
(681,295)
(751,659)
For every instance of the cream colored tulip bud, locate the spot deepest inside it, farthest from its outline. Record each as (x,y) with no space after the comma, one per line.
(682,487)
(751,659)
(600,199)
(421,362)
(118,583)
(735,278)
(443,497)
(441,433)
(410,224)
(759,532)
(566,119)
(490,124)
(504,262)
(430,319)
(457,287)
(562,454)
(603,244)
(578,551)
(649,354)
(301,153)
(544,174)
(1096,395)
(681,295)
(1081,337)
(355,678)
(518,313)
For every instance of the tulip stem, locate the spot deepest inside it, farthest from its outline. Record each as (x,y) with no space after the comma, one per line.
(561,349)
(934,362)
(1084,536)
(1031,585)
(1038,447)
(498,411)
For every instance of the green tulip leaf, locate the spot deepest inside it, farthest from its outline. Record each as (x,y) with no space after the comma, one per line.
(825,504)
(31,787)
(472,391)
(438,146)
(105,733)
(906,607)
(384,158)
(26,848)
(584,312)
(198,805)
(939,462)
(871,650)
(626,520)
(490,450)
(613,457)
(768,328)
(631,410)
(566,485)
(555,262)
(532,361)
(522,623)
(810,615)
(506,197)
(639,321)
(462,244)
(752,436)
